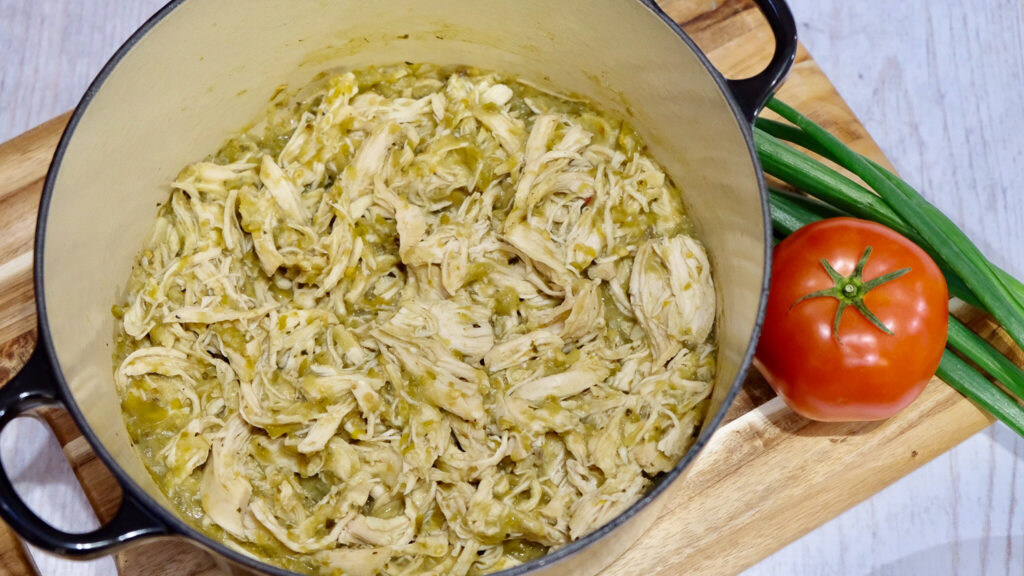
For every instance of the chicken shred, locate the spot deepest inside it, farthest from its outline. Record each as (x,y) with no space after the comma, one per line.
(416,320)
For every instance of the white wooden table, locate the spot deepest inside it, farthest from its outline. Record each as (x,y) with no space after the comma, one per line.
(938,83)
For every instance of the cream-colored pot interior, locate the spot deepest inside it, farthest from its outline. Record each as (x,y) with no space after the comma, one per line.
(209,67)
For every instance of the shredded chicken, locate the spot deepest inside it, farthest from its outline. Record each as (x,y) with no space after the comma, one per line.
(416,321)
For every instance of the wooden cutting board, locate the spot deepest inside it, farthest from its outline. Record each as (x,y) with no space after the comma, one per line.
(767,477)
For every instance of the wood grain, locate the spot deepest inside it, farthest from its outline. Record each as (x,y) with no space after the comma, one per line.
(768,442)
(937,84)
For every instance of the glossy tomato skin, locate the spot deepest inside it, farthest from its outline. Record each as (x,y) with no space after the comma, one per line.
(864,374)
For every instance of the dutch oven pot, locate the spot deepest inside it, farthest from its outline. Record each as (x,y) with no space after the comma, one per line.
(201,69)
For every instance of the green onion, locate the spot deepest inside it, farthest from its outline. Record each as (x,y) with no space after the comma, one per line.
(796,136)
(945,237)
(826,180)
(982,353)
(807,174)
(902,208)
(790,212)
(789,215)
(791,133)
(1014,286)
(959,374)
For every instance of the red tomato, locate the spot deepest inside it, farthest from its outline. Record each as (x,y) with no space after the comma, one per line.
(854,369)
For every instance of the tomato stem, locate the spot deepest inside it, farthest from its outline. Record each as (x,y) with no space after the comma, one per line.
(851,290)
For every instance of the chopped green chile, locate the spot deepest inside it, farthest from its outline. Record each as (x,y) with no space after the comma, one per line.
(416,320)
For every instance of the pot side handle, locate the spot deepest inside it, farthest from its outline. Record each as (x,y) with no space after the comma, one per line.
(752,93)
(33,387)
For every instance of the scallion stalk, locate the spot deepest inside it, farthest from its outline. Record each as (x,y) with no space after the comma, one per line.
(1014,286)
(813,177)
(796,136)
(966,380)
(792,134)
(944,236)
(977,350)
(790,212)
(950,248)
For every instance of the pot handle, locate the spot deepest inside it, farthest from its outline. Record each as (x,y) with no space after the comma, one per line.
(36,386)
(752,93)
